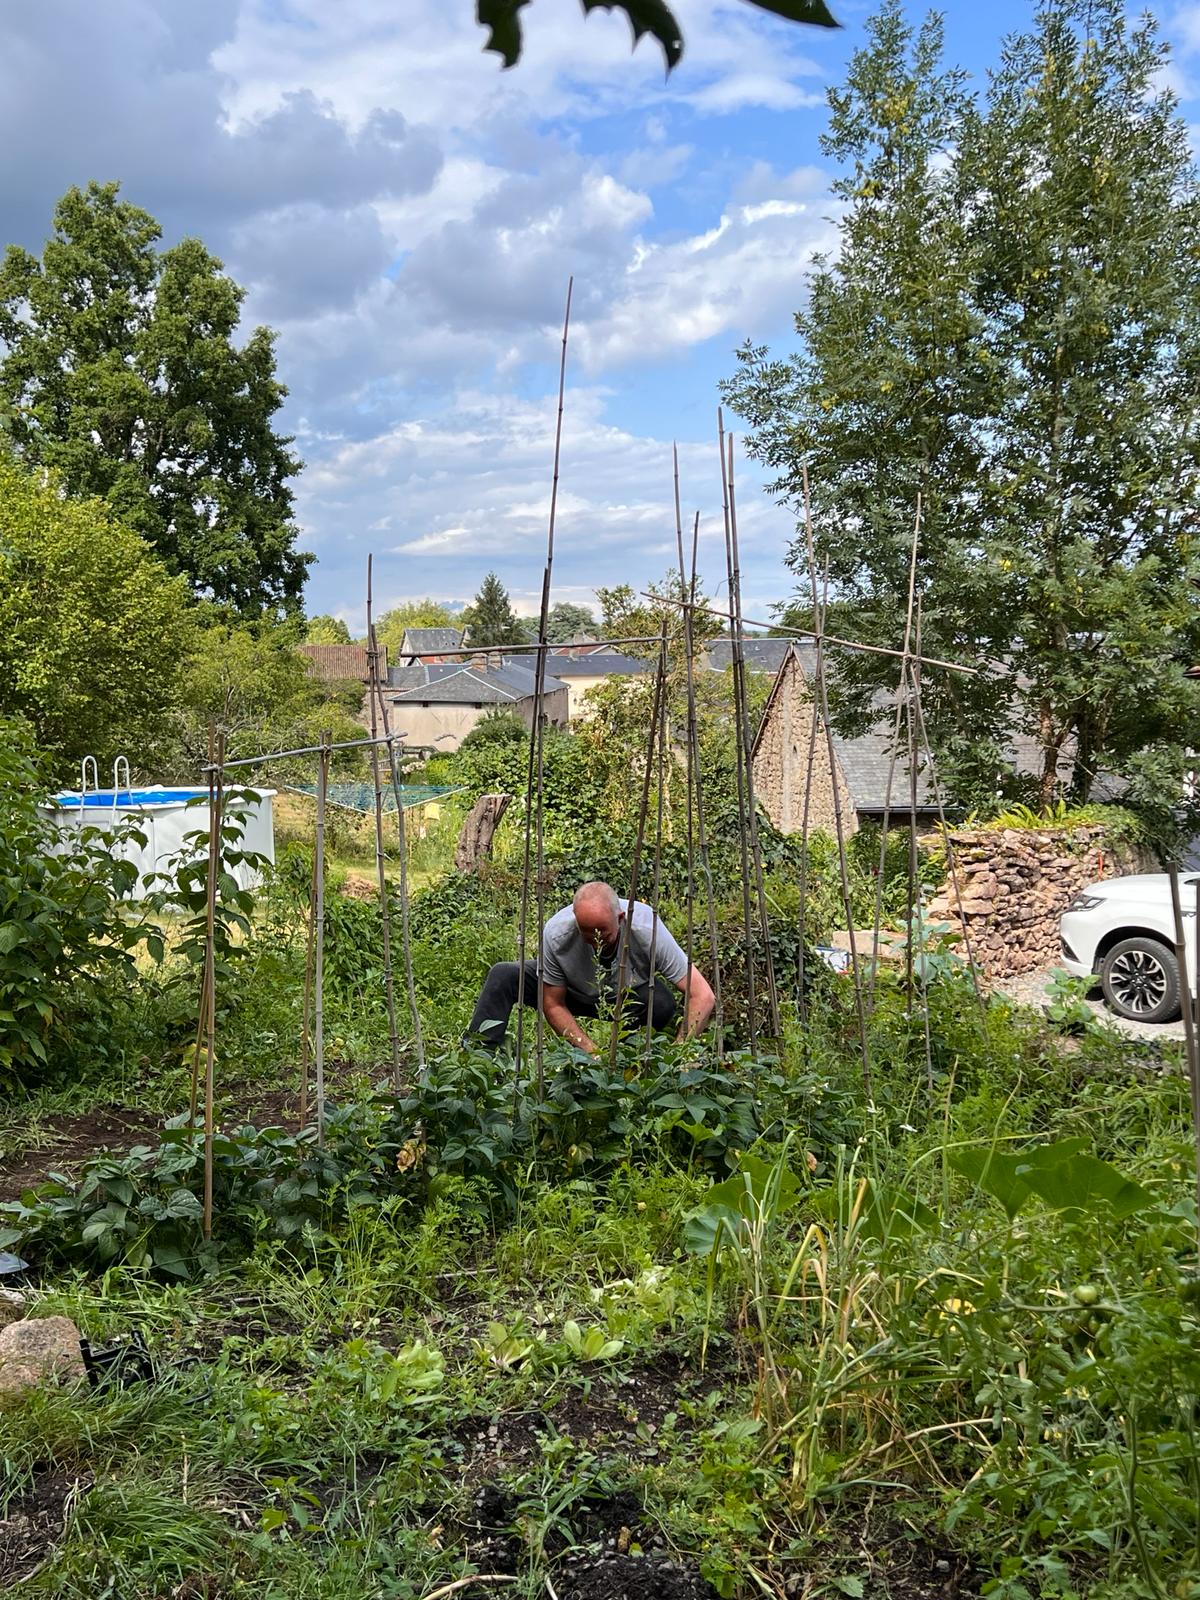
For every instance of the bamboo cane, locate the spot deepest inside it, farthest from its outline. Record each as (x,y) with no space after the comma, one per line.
(1190,1033)
(319,943)
(748,762)
(210,971)
(738,718)
(535,774)
(877,924)
(306,1017)
(657,880)
(385,916)
(402,847)
(697,778)
(843,874)
(814,717)
(689,935)
(635,870)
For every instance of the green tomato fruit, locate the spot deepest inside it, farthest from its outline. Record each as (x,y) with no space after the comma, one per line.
(1087,1294)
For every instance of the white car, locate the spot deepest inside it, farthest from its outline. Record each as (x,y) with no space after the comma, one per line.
(1122,930)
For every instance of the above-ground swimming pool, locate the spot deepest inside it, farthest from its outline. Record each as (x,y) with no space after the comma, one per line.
(166,817)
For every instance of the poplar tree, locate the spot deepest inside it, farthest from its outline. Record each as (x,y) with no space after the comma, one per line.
(1009,331)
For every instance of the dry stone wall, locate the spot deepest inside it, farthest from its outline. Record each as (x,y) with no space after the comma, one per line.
(1014,884)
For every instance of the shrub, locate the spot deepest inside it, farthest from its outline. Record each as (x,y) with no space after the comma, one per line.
(66,938)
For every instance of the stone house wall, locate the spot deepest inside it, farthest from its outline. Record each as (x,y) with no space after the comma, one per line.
(1014,884)
(780,763)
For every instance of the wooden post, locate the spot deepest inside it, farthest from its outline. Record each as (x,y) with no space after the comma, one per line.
(210,967)
(385,915)
(319,946)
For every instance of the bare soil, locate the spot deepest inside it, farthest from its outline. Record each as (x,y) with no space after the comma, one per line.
(67,1141)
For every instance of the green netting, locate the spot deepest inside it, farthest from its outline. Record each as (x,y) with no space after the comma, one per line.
(361,796)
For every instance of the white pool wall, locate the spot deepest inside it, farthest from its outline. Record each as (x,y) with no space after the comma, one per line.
(166,823)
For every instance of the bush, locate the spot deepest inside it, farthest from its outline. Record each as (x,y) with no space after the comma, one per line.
(67,973)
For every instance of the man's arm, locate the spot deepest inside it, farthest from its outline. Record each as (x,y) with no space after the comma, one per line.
(699,1002)
(558,1014)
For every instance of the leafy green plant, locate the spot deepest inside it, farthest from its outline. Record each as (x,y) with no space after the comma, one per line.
(67,934)
(1066,1003)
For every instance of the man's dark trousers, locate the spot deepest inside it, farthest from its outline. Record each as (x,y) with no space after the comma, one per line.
(499,995)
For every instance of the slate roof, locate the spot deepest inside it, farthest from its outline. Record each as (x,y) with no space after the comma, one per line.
(449,683)
(761,655)
(430,641)
(337,661)
(611,664)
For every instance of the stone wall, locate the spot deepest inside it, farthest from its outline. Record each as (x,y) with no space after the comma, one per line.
(780,764)
(1014,884)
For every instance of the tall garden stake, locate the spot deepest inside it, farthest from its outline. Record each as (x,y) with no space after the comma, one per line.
(735,605)
(385,915)
(639,839)
(823,708)
(657,881)
(535,777)
(696,786)
(687,645)
(1190,1038)
(877,923)
(738,721)
(215,781)
(319,941)
(306,1016)
(951,854)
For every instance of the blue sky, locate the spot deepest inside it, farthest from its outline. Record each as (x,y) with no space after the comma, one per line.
(406,215)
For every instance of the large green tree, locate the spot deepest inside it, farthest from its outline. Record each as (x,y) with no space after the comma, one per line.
(392,626)
(491,619)
(122,369)
(1009,334)
(566,621)
(93,629)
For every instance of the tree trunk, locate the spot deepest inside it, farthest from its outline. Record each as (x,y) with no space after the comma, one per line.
(478,830)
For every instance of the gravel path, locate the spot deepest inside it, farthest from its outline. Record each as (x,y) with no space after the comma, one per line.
(1029,989)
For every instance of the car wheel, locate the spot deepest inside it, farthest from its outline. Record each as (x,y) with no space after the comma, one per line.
(1140,978)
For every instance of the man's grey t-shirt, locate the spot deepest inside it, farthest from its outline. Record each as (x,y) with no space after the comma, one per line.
(570,962)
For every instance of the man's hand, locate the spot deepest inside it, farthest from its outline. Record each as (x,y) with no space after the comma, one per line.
(699,1001)
(558,1014)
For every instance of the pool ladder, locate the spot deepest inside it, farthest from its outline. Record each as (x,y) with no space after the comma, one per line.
(90,765)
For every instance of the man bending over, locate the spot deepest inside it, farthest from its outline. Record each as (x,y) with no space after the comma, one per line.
(579,952)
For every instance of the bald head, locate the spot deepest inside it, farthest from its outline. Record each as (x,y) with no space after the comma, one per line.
(597,913)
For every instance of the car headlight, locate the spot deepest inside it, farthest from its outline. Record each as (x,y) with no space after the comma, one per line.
(1086,902)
